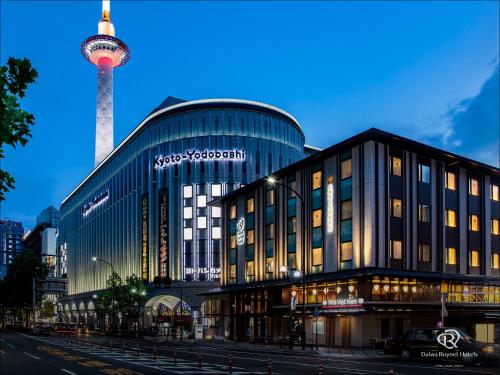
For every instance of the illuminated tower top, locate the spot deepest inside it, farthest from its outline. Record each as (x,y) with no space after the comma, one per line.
(107,52)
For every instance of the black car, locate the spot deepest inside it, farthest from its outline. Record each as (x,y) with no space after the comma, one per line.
(446,343)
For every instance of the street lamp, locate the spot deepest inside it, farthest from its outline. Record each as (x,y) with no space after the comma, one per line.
(296,274)
(96,259)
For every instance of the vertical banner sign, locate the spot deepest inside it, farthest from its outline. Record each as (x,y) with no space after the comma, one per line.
(144,237)
(163,233)
(329,205)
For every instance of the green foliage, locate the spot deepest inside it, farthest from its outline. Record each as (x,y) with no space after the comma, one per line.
(15,125)
(47,309)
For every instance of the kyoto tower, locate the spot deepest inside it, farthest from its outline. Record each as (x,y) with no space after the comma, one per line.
(107,52)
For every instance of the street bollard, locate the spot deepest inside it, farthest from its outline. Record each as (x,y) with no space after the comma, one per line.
(137,350)
(154,353)
(230,363)
(320,369)
(175,356)
(199,359)
(269,367)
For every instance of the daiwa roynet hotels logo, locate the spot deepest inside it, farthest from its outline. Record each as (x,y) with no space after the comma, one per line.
(198,155)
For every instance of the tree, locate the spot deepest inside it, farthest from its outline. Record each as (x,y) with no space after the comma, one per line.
(18,283)
(15,125)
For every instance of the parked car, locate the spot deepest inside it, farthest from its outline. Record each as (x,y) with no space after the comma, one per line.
(445,343)
(66,328)
(42,329)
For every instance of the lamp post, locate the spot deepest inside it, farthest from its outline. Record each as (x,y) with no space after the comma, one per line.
(96,259)
(272,181)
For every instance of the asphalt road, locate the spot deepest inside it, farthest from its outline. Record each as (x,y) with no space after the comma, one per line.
(25,354)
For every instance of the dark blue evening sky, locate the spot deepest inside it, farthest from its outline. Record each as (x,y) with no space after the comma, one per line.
(426,70)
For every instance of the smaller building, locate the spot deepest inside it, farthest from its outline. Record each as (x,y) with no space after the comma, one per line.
(367,236)
(11,234)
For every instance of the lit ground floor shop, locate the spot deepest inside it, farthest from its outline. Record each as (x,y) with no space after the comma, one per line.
(352,310)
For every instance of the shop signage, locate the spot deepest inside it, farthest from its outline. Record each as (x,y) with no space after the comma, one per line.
(198,155)
(329,205)
(96,202)
(144,237)
(163,233)
(240,231)
(214,273)
(343,304)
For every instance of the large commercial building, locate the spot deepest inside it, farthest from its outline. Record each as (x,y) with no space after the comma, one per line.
(382,226)
(11,234)
(144,207)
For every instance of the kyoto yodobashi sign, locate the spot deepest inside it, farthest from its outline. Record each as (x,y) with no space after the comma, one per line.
(198,155)
(163,233)
(145,237)
(344,305)
(95,202)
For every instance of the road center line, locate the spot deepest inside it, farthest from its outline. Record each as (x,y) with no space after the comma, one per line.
(68,372)
(31,355)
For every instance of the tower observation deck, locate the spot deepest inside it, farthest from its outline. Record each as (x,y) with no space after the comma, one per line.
(106,52)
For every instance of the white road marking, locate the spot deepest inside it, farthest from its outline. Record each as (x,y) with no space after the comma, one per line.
(31,355)
(68,372)
(12,346)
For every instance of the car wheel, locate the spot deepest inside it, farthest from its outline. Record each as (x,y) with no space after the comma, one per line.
(405,354)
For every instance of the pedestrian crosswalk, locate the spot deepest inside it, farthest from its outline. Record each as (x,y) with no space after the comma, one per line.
(146,359)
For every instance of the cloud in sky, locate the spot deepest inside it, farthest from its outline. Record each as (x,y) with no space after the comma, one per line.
(472,126)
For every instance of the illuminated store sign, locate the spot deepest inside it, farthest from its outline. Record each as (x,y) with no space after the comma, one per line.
(329,205)
(96,202)
(163,233)
(240,231)
(144,238)
(344,303)
(214,273)
(198,155)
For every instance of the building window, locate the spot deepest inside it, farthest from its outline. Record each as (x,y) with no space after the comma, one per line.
(474,258)
(188,212)
(346,168)
(250,237)
(317,256)
(395,166)
(451,218)
(424,253)
(473,187)
(216,233)
(187,191)
(216,211)
(451,181)
(495,261)
(451,256)
(495,193)
(201,222)
(424,173)
(317,218)
(474,223)
(346,251)
(232,272)
(269,264)
(216,190)
(250,205)
(424,213)
(188,233)
(232,212)
(316,180)
(396,249)
(201,201)
(495,226)
(232,241)
(346,210)
(396,207)
(269,197)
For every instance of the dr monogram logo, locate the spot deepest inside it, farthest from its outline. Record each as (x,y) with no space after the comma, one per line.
(449,338)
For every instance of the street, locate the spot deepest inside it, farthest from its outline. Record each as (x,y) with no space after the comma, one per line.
(25,354)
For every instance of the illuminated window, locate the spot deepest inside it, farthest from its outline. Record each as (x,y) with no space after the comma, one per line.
(473,187)
(188,212)
(395,165)
(187,191)
(424,253)
(216,211)
(250,237)
(474,223)
(201,201)
(232,212)
(495,226)
(346,210)
(201,222)
(451,256)
(424,173)
(451,218)
(232,272)
(345,251)
(188,233)
(317,257)
(232,242)
(396,249)
(346,169)
(216,190)
(424,213)
(451,181)
(495,193)
(474,258)
(269,231)
(269,264)
(317,218)
(316,180)
(495,261)
(269,197)
(216,233)
(396,207)
(250,205)
(250,268)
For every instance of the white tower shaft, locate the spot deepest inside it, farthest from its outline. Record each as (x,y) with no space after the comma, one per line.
(104,115)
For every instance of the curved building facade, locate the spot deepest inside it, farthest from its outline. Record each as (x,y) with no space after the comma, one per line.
(145,210)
